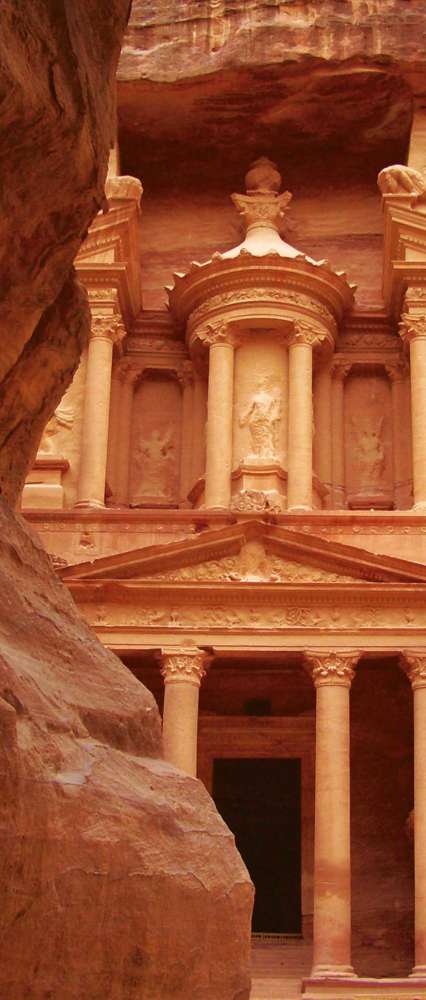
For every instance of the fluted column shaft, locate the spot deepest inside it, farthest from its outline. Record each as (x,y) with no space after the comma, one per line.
(183,671)
(187,382)
(414,664)
(323,427)
(338,436)
(219,423)
(332,674)
(94,442)
(129,375)
(413,330)
(299,492)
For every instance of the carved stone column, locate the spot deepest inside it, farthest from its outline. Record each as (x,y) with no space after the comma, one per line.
(332,673)
(219,417)
(105,331)
(186,380)
(340,372)
(414,664)
(397,374)
(183,671)
(129,374)
(199,427)
(323,427)
(299,490)
(413,331)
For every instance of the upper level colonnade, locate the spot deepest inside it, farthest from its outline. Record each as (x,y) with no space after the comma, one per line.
(262,388)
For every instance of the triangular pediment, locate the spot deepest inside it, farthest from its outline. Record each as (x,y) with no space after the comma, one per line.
(253,552)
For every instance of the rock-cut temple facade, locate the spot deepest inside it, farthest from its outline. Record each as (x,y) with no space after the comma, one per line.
(234,491)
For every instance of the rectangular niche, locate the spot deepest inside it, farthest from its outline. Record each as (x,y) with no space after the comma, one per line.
(368,441)
(155,442)
(260,401)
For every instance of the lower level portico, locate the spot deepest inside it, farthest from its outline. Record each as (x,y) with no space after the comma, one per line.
(320,665)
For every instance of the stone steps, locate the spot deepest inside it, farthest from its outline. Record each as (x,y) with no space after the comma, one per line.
(278,969)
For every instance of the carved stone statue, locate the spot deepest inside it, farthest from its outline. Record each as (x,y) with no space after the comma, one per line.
(157,454)
(263,419)
(400,179)
(62,418)
(369,452)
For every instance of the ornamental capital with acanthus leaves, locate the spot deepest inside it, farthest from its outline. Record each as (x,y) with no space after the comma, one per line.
(305,334)
(218,333)
(184,665)
(328,666)
(413,663)
(104,327)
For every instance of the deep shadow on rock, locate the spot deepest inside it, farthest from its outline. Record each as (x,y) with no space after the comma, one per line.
(119,879)
(57,98)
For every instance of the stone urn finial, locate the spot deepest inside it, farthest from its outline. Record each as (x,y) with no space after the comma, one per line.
(263,176)
(262,206)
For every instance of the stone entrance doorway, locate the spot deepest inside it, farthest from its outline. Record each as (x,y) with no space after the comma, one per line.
(260,800)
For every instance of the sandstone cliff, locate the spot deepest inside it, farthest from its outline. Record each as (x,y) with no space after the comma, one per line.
(118,878)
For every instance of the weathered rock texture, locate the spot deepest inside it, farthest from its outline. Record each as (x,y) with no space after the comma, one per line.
(118,878)
(57,98)
(325,88)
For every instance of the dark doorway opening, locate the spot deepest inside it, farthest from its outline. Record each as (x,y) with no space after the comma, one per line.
(259,799)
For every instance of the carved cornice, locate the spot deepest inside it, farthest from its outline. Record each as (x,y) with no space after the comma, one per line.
(107,328)
(414,665)
(331,667)
(184,666)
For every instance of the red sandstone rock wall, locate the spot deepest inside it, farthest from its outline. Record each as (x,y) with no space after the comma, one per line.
(57,100)
(118,878)
(325,88)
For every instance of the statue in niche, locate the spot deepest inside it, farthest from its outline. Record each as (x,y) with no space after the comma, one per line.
(369,451)
(157,462)
(263,419)
(62,418)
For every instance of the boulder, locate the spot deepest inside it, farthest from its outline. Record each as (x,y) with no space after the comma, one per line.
(118,877)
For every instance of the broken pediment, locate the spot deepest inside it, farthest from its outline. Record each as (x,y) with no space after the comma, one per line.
(254,552)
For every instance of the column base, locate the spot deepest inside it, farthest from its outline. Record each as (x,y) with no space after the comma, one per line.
(89,505)
(419,972)
(361,988)
(333,971)
(299,509)
(420,506)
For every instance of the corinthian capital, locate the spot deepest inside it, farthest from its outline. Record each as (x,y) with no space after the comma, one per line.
(397,371)
(184,665)
(413,320)
(413,663)
(303,333)
(330,667)
(217,333)
(107,328)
